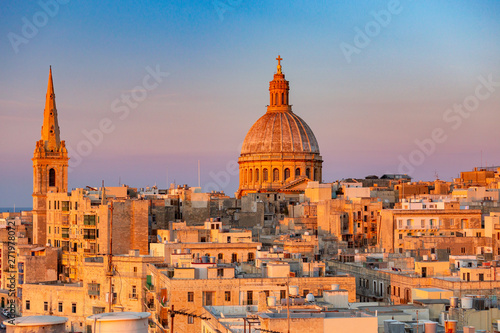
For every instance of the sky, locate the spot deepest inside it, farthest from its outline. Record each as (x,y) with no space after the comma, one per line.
(146,89)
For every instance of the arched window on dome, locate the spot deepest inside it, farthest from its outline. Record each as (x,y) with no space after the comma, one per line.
(257,175)
(276,175)
(250,172)
(245,176)
(275,98)
(52,177)
(287,174)
(308,173)
(297,172)
(264,175)
(282,98)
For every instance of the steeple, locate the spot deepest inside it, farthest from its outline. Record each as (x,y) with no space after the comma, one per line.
(278,91)
(50,166)
(50,128)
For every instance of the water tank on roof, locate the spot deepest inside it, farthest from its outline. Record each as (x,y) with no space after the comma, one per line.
(430,327)
(425,257)
(335,287)
(271,301)
(123,322)
(433,256)
(310,298)
(454,302)
(306,233)
(466,302)
(37,324)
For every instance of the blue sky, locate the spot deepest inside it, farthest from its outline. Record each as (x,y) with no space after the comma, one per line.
(367,113)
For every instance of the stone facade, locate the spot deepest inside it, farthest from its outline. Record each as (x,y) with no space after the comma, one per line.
(193,294)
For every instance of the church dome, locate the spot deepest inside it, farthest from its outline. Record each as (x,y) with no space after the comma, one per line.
(280,152)
(280,132)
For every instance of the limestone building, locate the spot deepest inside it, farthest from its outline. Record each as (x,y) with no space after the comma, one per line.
(280,151)
(50,165)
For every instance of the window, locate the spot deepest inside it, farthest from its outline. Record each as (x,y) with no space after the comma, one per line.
(190,320)
(308,173)
(264,175)
(282,294)
(27,307)
(60,307)
(305,292)
(89,220)
(462,250)
(250,173)
(276,175)
(220,272)
(45,306)
(73,307)
(190,296)
(249,297)
(257,176)
(297,172)
(135,270)
(251,256)
(220,256)
(133,294)
(287,173)
(481,277)
(52,177)
(227,296)
(400,236)
(94,289)
(234,257)
(208,297)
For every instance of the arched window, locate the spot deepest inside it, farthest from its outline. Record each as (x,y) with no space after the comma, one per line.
(250,175)
(220,256)
(52,177)
(316,175)
(287,173)
(234,257)
(264,175)
(275,98)
(308,173)
(245,176)
(257,176)
(297,172)
(282,98)
(276,175)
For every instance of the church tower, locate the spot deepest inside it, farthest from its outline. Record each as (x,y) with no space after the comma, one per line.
(50,166)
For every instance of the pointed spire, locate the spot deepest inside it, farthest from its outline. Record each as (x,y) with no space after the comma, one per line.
(50,128)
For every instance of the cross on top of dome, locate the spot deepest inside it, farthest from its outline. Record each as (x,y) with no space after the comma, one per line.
(279,63)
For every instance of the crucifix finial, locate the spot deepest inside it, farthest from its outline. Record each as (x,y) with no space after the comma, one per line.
(279,63)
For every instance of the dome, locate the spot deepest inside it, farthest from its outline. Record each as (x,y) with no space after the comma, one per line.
(280,132)
(280,152)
